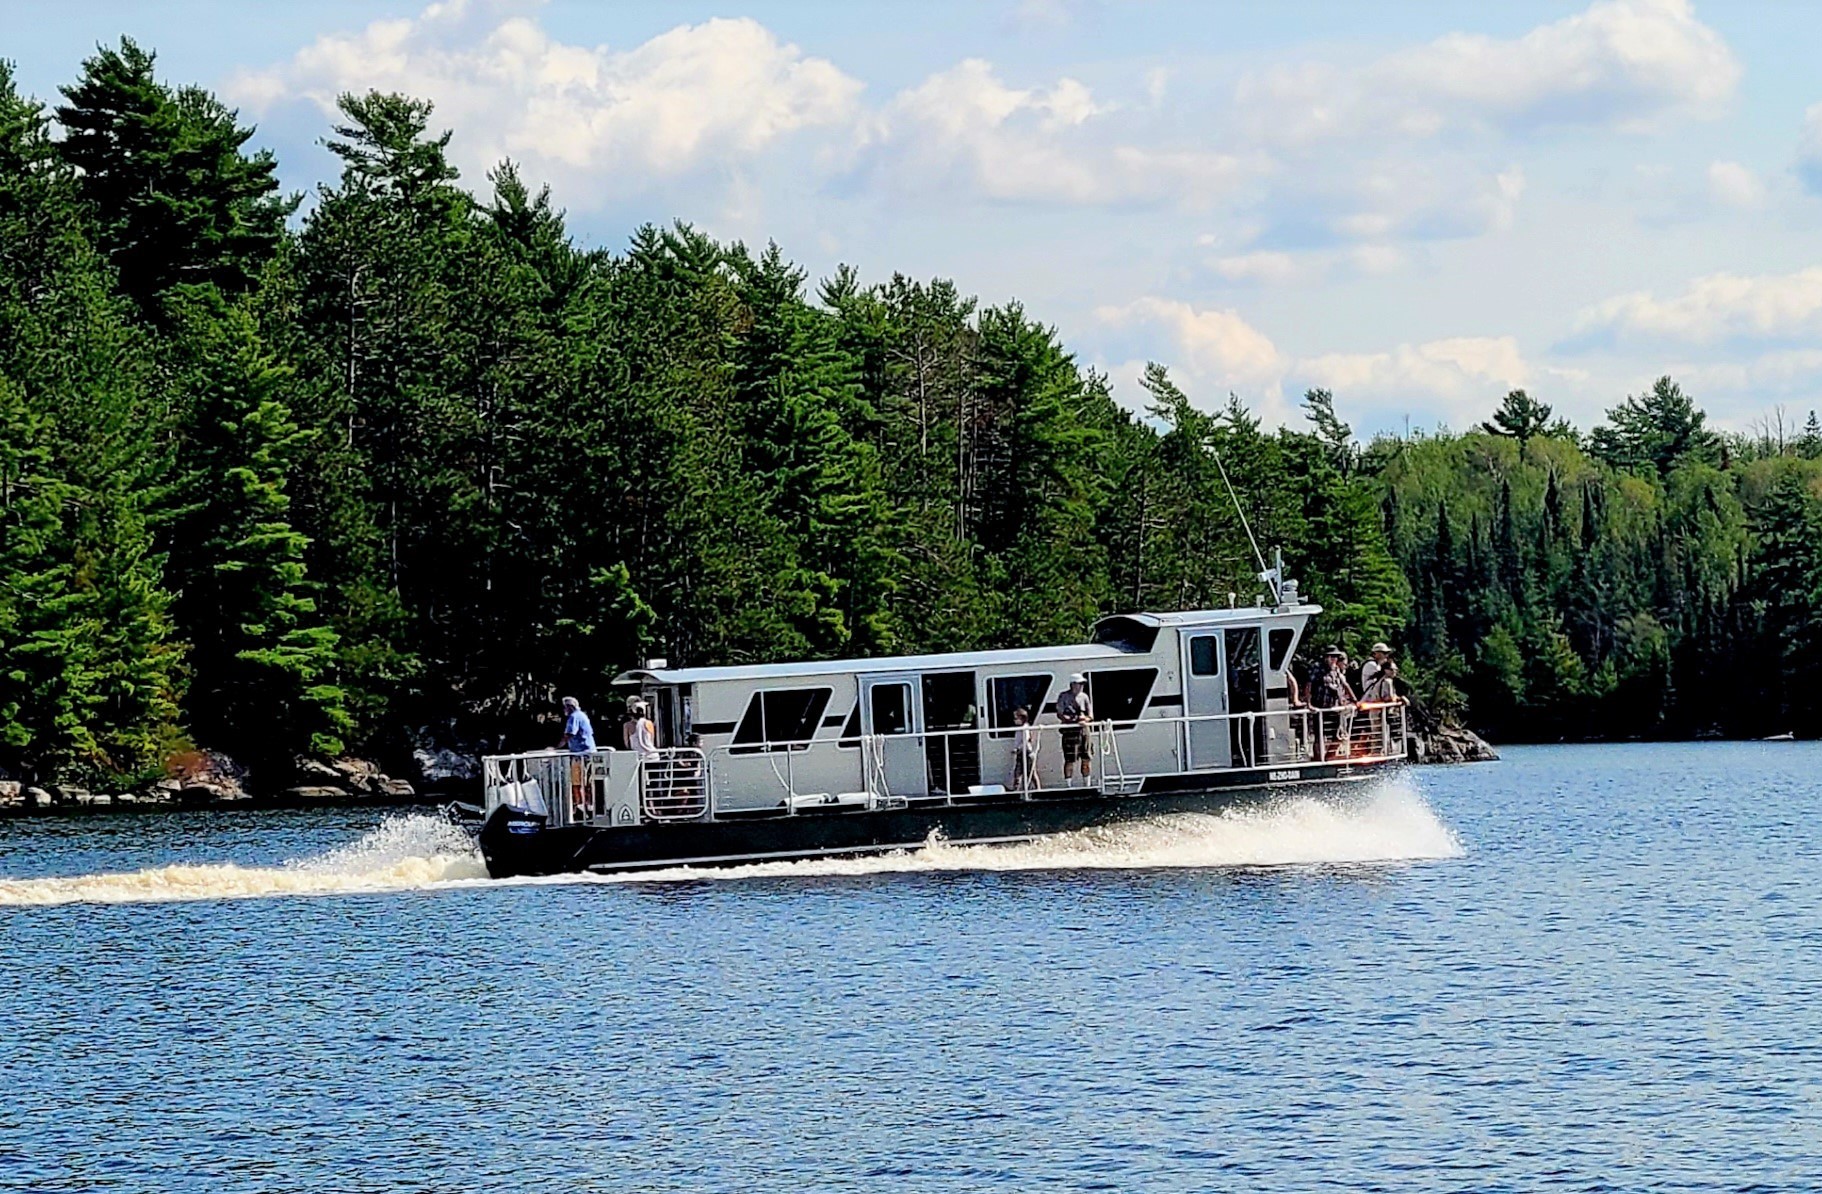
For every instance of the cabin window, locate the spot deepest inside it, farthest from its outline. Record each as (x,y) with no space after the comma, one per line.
(1120,695)
(949,701)
(1204,660)
(1007,693)
(850,729)
(1280,641)
(781,719)
(891,714)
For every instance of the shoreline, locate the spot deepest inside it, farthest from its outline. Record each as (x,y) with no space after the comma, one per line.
(277,803)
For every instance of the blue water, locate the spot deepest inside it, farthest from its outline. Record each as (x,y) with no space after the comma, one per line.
(1586,968)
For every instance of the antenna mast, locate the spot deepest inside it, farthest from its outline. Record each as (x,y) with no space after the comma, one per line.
(1271,576)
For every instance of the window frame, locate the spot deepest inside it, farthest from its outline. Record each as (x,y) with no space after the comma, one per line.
(1005,729)
(1122,725)
(817,704)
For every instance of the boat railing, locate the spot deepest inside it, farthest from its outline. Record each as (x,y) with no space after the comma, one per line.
(673,784)
(973,763)
(964,765)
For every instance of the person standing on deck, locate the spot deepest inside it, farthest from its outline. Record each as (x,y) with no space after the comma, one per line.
(1024,753)
(639,734)
(1376,676)
(1075,711)
(578,740)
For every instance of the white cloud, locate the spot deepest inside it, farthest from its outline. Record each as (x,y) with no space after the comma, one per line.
(1213,351)
(1464,369)
(1218,346)
(1717,307)
(965,126)
(1733,185)
(1625,63)
(711,94)
(1267,267)
(1809,149)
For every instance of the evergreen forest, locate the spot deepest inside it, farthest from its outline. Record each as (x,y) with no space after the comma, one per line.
(291,475)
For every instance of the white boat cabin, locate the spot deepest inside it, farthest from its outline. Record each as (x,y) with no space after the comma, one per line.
(1177,700)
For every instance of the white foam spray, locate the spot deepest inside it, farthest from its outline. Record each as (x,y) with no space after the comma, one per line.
(1390,823)
(401,854)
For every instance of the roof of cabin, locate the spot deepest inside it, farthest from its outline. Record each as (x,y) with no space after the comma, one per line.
(1084,653)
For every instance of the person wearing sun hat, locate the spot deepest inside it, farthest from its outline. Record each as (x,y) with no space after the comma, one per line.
(1377,674)
(1075,711)
(1331,693)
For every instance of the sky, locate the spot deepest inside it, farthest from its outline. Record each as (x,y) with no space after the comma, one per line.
(1418,206)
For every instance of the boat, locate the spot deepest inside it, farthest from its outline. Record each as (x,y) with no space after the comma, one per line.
(1191,711)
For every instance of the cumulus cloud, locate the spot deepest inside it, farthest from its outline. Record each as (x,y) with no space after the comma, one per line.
(1626,63)
(1716,308)
(1214,351)
(1461,368)
(1733,185)
(1218,346)
(710,94)
(967,127)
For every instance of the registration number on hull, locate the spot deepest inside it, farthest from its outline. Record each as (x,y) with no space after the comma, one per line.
(1277,777)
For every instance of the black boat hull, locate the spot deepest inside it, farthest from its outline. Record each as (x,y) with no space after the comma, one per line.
(516,844)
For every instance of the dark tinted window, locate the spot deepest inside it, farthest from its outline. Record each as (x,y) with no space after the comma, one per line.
(1006,693)
(1280,641)
(1204,660)
(783,719)
(949,702)
(1121,695)
(891,715)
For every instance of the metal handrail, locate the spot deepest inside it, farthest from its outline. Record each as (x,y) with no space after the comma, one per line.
(689,783)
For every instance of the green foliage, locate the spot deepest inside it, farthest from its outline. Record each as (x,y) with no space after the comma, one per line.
(423,457)
(171,196)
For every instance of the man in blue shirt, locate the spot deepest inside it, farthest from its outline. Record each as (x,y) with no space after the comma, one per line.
(578,734)
(578,739)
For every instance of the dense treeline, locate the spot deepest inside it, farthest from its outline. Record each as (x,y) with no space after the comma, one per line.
(282,476)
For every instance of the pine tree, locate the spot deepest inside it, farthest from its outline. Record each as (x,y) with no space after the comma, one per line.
(88,670)
(1519,417)
(172,195)
(260,654)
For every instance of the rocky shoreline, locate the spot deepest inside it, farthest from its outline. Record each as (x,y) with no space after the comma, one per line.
(441,770)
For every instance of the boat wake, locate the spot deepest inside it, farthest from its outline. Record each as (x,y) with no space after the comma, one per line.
(1390,823)
(404,853)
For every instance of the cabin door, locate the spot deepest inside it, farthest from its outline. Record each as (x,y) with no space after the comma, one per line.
(1204,702)
(1245,695)
(892,725)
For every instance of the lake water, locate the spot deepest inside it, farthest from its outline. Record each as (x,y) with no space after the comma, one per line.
(1585,968)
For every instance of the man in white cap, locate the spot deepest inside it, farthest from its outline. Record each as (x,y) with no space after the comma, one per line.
(578,740)
(1074,712)
(1376,676)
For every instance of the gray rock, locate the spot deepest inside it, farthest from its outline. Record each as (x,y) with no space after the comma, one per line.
(101,799)
(395,787)
(441,764)
(37,797)
(11,791)
(316,792)
(69,794)
(318,773)
(209,775)
(1454,744)
(358,775)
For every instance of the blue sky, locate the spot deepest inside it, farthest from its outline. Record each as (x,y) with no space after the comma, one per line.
(1418,206)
